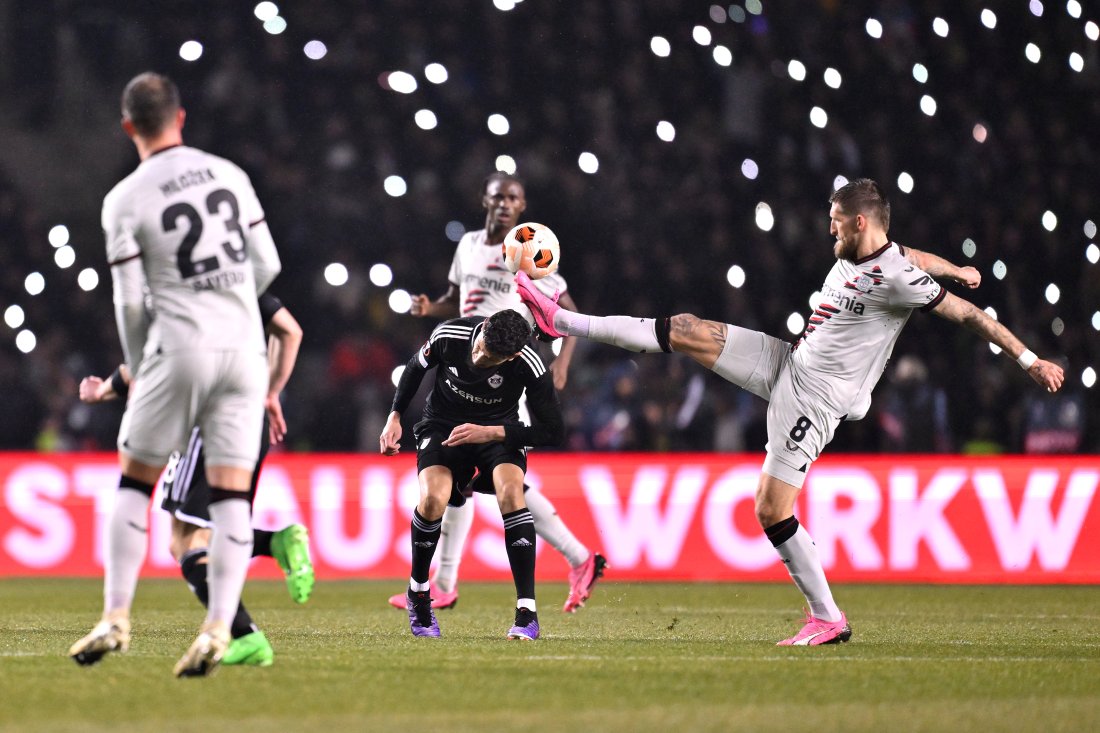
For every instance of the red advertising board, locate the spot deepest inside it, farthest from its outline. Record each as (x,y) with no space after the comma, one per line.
(1008,519)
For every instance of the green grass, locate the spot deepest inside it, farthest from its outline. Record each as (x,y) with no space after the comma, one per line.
(640,657)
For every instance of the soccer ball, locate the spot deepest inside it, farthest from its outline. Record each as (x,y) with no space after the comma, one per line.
(532,248)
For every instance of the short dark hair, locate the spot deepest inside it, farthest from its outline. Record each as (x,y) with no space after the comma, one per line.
(150,101)
(500,177)
(863,196)
(506,333)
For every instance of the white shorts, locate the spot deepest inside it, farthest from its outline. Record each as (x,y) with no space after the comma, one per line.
(221,392)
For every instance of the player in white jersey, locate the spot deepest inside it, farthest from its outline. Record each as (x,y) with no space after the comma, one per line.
(480,285)
(185,226)
(824,378)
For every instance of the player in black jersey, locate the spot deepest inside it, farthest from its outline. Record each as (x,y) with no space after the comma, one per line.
(471,423)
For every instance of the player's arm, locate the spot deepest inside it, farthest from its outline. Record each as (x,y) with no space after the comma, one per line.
(938,267)
(284,340)
(1043,372)
(445,306)
(547,426)
(93,389)
(129,298)
(559,368)
(390,439)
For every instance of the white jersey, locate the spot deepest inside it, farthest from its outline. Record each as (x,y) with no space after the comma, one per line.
(861,310)
(198,228)
(485,286)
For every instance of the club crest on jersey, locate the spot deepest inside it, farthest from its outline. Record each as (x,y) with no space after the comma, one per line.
(864,283)
(495,381)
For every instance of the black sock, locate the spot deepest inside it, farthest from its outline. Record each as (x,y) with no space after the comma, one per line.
(519,540)
(194,572)
(261,542)
(425,538)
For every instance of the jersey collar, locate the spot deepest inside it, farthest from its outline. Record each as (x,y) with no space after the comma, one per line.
(874,254)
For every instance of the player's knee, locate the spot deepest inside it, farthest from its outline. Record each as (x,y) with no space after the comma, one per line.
(510,496)
(432,505)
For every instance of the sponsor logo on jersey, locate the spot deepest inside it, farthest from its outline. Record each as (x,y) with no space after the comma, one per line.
(924,280)
(495,381)
(842,301)
(473,397)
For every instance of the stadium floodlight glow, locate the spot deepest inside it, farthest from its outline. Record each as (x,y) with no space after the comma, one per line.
(64,257)
(839,181)
(191,51)
(34,283)
(1088,377)
(815,298)
(395,375)
(504,5)
(1053,293)
(395,186)
(1090,228)
(796,324)
(940,27)
(1036,8)
(498,124)
(991,312)
(832,78)
(928,105)
(1050,220)
(735,276)
(717,15)
(400,301)
(666,131)
(723,57)
(701,35)
(555,348)
(819,117)
(1032,52)
(455,229)
(796,70)
(874,28)
(506,164)
(994,348)
(265,11)
(1000,269)
(401,82)
(336,274)
(980,132)
(970,248)
(425,119)
(380,275)
(436,73)
(1073,8)
(14,316)
(1092,30)
(737,13)
(315,50)
(765,219)
(754,6)
(989,19)
(920,73)
(1096,321)
(588,162)
(1092,253)
(659,45)
(25,341)
(275,25)
(1076,62)
(58,236)
(905,182)
(88,279)
(1057,326)
(749,169)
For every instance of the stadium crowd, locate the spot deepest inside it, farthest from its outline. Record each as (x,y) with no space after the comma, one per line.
(653,231)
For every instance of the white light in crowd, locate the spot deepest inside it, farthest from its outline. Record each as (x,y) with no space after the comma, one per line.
(395,186)
(1073,8)
(754,6)
(796,323)
(920,73)
(1076,62)
(1033,53)
(1092,30)
(1036,8)
(34,283)
(380,275)
(401,82)
(718,15)
(498,124)
(588,162)
(969,247)
(276,25)
(400,301)
(796,70)
(991,312)
(905,182)
(58,236)
(1090,228)
(1052,293)
(555,348)
(14,316)
(1050,220)
(504,5)
(818,117)
(25,341)
(315,50)
(506,164)
(336,274)
(939,27)
(989,19)
(737,13)
(723,57)
(980,133)
(1057,326)
(395,375)
(701,35)
(454,230)
(88,279)
(1096,321)
(994,348)
(874,28)
(64,257)
(1000,269)
(666,131)
(749,169)
(815,298)
(735,276)
(832,78)
(436,73)
(191,51)
(1088,377)
(928,105)
(266,11)
(425,119)
(839,181)
(659,46)
(764,217)
(1092,253)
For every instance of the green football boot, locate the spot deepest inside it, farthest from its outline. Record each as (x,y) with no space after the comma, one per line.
(290,548)
(251,650)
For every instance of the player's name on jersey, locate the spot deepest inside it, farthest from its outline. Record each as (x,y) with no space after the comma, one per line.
(186,180)
(218,280)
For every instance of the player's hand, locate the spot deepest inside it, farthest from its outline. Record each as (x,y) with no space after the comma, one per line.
(1047,374)
(419,306)
(469,434)
(389,442)
(94,389)
(969,276)
(275,419)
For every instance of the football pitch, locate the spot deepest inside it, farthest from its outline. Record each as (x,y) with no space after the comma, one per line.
(639,657)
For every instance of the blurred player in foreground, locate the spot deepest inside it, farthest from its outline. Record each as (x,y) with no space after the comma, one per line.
(822,379)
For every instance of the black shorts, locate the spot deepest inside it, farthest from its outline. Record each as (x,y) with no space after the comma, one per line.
(463,460)
(184,488)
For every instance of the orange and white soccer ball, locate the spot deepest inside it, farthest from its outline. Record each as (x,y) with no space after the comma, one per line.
(532,248)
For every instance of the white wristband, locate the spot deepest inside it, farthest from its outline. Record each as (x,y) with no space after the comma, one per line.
(1026,359)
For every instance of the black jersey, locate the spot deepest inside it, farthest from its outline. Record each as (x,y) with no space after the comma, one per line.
(463,393)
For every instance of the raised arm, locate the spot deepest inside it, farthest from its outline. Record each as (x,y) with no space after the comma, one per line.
(443,307)
(939,267)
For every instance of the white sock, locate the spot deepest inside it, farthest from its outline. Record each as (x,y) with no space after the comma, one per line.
(548,525)
(454,530)
(626,332)
(127,538)
(800,555)
(528,603)
(229,555)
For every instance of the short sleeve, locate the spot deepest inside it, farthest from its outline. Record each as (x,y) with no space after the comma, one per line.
(915,288)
